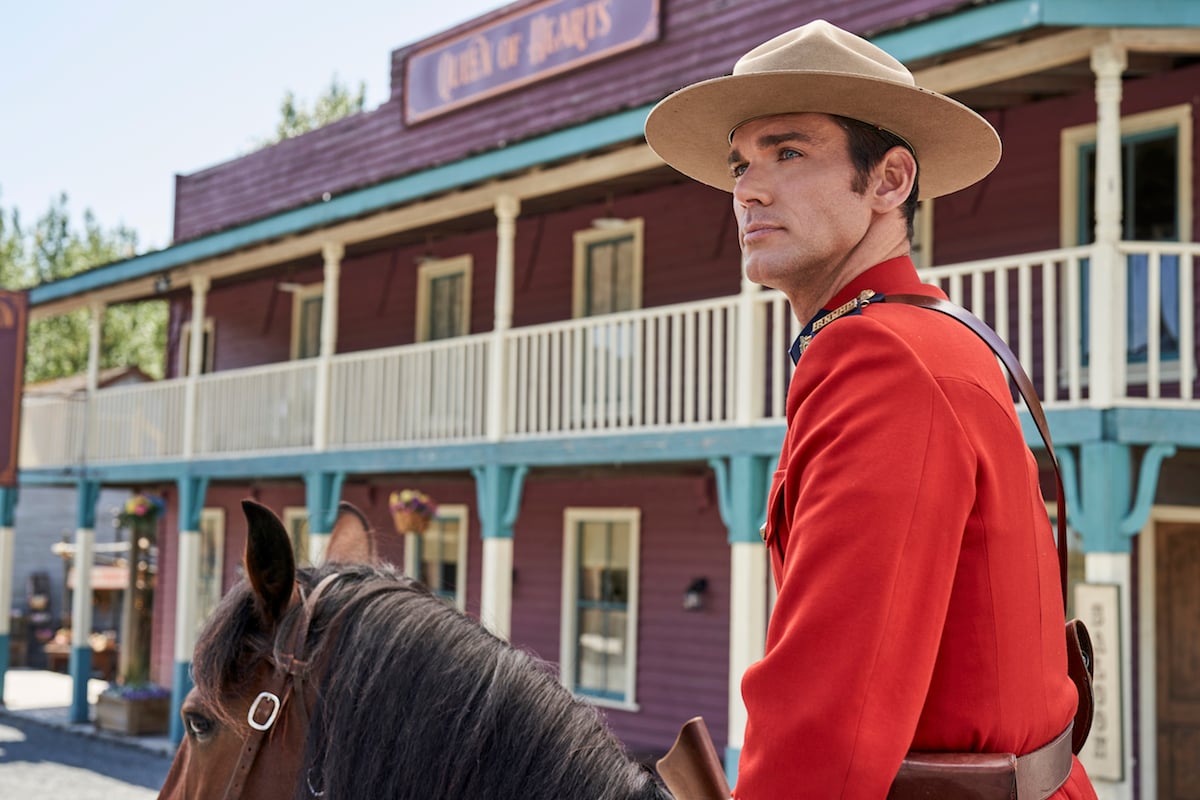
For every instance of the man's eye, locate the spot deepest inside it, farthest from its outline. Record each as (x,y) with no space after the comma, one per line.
(737,170)
(788,153)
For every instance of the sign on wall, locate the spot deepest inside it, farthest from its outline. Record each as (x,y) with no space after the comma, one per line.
(14,308)
(1099,606)
(520,48)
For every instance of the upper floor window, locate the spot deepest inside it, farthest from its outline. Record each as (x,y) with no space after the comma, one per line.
(608,268)
(444,298)
(307,305)
(1156,207)
(185,348)
(600,603)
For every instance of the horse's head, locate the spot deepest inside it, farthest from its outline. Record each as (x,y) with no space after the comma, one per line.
(246,719)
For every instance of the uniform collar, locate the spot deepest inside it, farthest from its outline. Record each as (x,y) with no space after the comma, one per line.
(896,275)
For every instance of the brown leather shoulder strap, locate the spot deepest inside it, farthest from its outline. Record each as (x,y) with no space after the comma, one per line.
(1024,386)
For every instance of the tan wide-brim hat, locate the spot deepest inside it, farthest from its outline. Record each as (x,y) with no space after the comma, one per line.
(821,68)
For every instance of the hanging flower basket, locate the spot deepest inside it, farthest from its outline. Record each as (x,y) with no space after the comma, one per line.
(140,512)
(411,510)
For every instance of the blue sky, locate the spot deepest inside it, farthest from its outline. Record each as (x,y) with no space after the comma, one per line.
(108,101)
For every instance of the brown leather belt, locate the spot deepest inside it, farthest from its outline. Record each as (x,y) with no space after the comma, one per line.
(986,776)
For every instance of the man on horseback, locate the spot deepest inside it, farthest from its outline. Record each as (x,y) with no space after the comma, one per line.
(919,604)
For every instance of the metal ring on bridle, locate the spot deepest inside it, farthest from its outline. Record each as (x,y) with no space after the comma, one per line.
(262,726)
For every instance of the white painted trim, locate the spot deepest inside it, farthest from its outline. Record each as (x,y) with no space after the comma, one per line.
(184,349)
(7,545)
(299,295)
(440,268)
(572,517)
(81,595)
(460,515)
(294,516)
(923,233)
(495,602)
(186,582)
(318,545)
(749,566)
(589,236)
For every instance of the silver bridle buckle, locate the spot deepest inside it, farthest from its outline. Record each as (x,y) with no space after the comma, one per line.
(263,726)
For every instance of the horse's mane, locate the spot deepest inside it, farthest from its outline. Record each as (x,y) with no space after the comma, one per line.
(419,701)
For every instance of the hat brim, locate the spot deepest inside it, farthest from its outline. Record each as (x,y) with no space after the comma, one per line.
(690,129)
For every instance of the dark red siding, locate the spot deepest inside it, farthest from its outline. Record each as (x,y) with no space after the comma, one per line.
(683,656)
(700,39)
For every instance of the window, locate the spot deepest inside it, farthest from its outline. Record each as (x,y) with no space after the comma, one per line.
(307,303)
(608,268)
(212,562)
(600,601)
(295,520)
(921,248)
(444,299)
(185,348)
(442,555)
(1156,207)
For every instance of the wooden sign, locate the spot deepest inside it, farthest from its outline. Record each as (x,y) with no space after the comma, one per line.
(520,48)
(14,310)
(1099,606)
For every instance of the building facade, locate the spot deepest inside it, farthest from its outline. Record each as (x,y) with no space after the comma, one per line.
(488,288)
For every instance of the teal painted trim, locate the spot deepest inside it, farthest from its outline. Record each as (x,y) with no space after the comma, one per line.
(498,490)
(322,491)
(1067,426)
(191,501)
(732,756)
(743,482)
(1180,427)
(1146,487)
(1070,478)
(86,496)
(8,509)
(1105,469)
(996,20)
(181,684)
(81,671)
(635,448)
(4,663)
(581,139)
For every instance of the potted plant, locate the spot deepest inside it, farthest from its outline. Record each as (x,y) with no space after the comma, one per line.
(135,705)
(411,510)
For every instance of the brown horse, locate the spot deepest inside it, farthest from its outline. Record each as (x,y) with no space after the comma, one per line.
(351,681)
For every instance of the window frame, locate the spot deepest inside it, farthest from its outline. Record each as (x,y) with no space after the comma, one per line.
(460,513)
(427,272)
(293,515)
(611,229)
(300,295)
(214,586)
(568,639)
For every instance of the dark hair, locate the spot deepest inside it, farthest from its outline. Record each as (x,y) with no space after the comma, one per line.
(419,701)
(868,145)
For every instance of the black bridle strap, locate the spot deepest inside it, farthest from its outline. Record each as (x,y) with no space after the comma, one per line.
(286,682)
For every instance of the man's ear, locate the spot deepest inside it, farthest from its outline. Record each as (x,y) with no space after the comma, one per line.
(895,175)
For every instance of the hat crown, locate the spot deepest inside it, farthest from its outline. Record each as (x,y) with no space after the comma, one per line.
(822,47)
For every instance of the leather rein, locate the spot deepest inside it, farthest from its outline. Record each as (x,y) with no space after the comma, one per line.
(287,682)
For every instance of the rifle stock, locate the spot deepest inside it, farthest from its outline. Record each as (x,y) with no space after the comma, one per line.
(691,768)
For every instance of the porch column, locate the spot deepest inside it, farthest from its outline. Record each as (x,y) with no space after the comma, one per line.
(8,508)
(742,485)
(1106,284)
(200,284)
(507,209)
(81,599)
(332,252)
(95,331)
(751,372)
(322,491)
(1109,502)
(498,490)
(187,575)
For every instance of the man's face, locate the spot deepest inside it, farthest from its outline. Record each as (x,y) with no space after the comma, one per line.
(798,217)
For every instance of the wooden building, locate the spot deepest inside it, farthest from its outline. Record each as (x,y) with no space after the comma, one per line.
(488,288)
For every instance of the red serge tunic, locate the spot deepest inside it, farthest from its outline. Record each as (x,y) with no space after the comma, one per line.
(919,605)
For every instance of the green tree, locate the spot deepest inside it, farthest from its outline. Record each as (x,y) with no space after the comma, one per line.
(132,334)
(336,102)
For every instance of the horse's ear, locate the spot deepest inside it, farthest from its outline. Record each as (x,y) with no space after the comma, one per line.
(270,564)
(352,540)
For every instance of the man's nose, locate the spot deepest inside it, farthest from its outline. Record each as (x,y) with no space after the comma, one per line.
(750,189)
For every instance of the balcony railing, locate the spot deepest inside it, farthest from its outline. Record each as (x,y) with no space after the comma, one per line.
(714,363)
